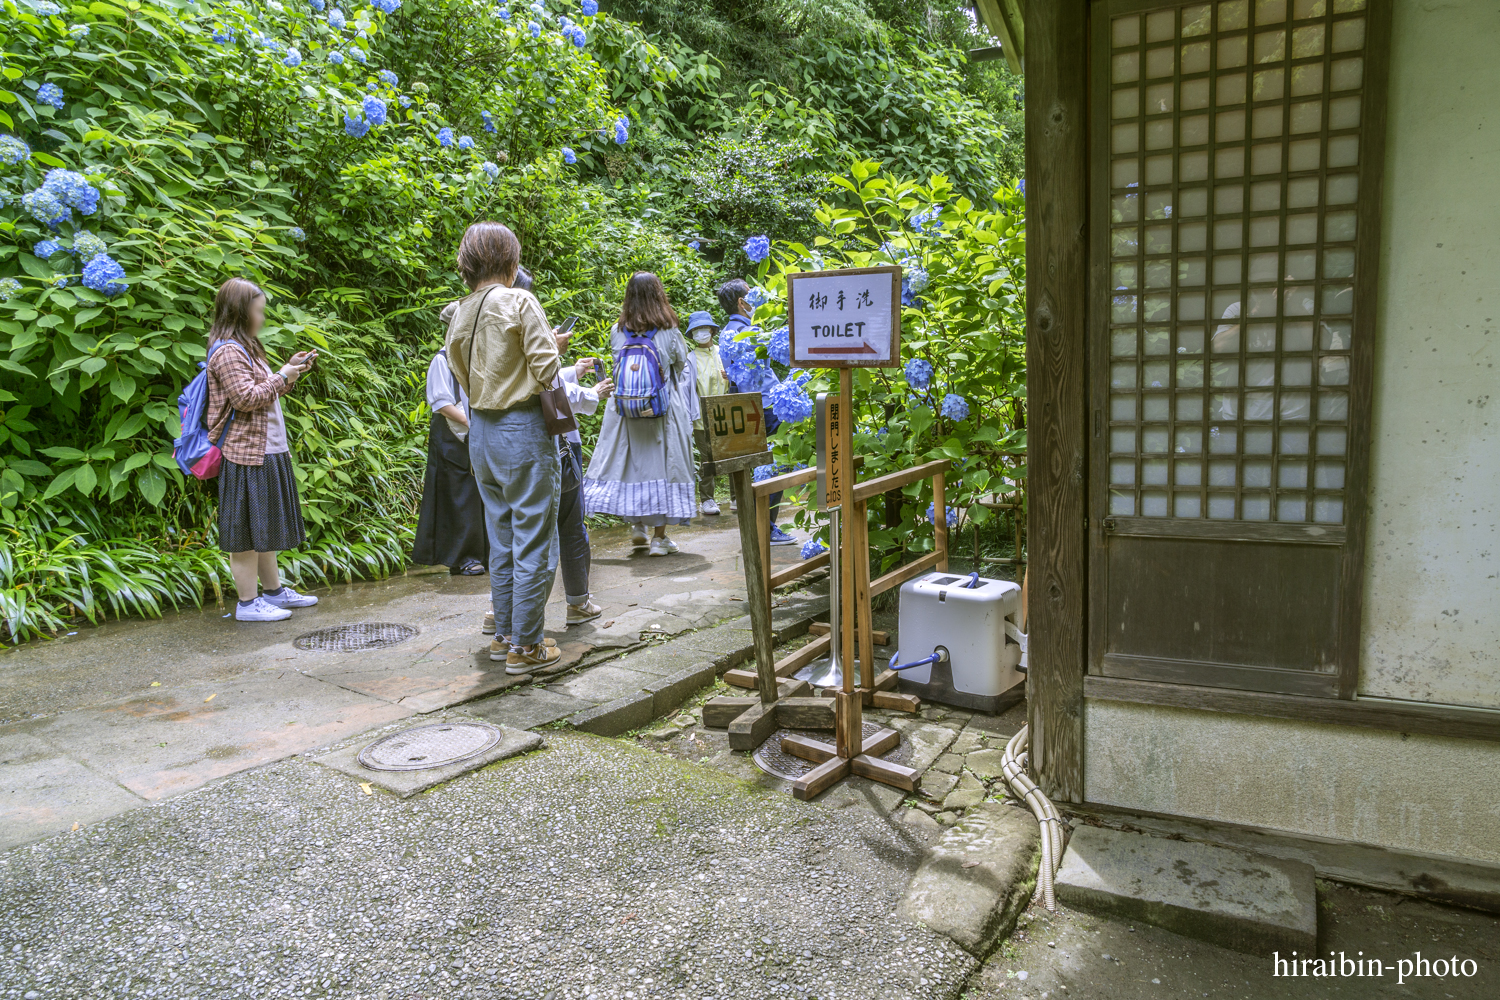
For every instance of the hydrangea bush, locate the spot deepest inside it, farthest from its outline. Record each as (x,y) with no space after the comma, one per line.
(960,390)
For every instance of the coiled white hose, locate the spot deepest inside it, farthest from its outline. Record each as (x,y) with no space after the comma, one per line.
(1013,766)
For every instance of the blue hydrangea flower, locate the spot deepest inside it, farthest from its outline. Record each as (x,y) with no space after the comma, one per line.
(104,274)
(46,208)
(535,29)
(223,35)
(563,20)
(780,347)
(916,278)
(72,189)
(568,155)
(266,42)
(445,137)
(757,248)
(918,373)
(46,8)
(357,128)
(1021,186)
(46,248)
(489,121)
(13,150)
(293,58)
(574,34)
(296,233)
(790,404)
(763,472)
(358,54)
(78,30)
(336,57)
(316,4)
(50,93)
(61,281)
(389,78)
(812,547)
(951,512)
(955,407)
(757,296)
(590,8)
(694,244)
(88,246)
(9,287)
(551,99)
(386,6)
(466,142)
(404,101)
(336,19)
(622,131)
(374,109)
(921,220)
(490,168)
(502,13)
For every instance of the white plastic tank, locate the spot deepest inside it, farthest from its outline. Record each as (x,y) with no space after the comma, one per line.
(967,618)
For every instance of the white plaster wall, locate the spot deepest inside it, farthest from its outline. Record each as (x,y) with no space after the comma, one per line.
(1412,793)
(1432,581)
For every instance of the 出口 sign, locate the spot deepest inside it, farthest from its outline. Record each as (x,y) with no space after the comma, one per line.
(735,424)
(845,319)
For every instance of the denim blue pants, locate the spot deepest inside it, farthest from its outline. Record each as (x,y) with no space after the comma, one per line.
(515,462)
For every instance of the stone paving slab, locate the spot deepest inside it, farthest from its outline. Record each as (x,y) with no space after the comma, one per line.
(1247,902)
(527,708)
(42,790)
(165,744)
(408,783)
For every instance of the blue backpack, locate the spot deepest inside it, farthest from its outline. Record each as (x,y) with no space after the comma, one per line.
(640,388)
(196,455)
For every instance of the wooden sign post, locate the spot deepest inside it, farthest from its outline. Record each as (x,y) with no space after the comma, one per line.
(846,319)
(737,446)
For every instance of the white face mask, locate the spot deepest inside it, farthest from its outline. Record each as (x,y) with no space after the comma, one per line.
(703,334)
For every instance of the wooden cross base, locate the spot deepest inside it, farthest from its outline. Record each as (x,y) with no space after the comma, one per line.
(836,762)
(750,721)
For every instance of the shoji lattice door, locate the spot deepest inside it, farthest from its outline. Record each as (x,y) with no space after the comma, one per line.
(1236,149)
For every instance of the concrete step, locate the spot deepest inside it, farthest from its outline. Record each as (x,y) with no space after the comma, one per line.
(1247,902)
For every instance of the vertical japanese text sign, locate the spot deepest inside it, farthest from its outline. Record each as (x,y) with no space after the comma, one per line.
(830,466)
(845,319)
(735,424)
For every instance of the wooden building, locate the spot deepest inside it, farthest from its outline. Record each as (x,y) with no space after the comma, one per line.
(1264,409)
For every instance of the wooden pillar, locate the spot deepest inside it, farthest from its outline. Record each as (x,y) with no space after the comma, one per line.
(1057,34)
(756,593)
(940,521)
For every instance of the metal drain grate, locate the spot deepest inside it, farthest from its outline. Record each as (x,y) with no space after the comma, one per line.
(360,635)
(770,758)
(429,746)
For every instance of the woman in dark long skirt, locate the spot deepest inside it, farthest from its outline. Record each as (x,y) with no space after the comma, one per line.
(450,528)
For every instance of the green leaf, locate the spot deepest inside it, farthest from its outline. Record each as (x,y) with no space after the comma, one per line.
(64,453)
(62,482)
(85,479)
(123,386)
(152,484)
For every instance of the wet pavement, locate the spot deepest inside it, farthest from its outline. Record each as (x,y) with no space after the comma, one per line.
(135,711)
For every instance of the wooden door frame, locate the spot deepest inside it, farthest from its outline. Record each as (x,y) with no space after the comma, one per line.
(1057,296)
(1057,199)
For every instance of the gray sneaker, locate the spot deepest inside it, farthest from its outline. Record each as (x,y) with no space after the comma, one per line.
(289,598)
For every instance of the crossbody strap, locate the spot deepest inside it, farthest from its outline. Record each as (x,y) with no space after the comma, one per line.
(472,332)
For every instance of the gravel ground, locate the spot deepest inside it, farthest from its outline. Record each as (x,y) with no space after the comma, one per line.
(592,868)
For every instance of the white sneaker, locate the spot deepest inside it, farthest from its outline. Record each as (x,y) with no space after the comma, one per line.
(289,598)
(638,536)
(663,546)
(709,506)
(259,610)
(487,627)
(734,505)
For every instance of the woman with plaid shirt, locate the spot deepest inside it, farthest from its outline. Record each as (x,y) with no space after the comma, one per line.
(259,512)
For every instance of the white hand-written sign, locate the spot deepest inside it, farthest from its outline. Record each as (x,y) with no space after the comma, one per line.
(845,319)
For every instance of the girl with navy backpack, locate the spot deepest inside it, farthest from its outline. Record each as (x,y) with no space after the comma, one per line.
(642,466)
(259,511)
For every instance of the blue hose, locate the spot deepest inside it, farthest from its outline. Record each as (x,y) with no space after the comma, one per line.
(934,658)
(973,581)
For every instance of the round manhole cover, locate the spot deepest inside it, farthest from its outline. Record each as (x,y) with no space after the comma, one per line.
(771,759)
(360,635)
(429,746)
